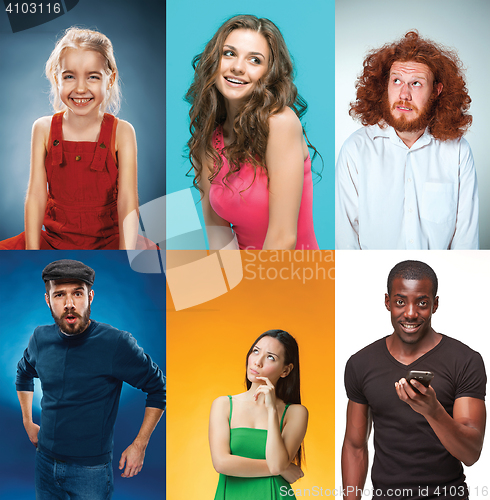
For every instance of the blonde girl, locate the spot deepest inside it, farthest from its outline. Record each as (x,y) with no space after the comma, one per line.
(85,156)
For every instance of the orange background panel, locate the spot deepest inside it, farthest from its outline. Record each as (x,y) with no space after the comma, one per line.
(206,349)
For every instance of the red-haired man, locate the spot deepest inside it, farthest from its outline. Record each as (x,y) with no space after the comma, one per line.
(407,180)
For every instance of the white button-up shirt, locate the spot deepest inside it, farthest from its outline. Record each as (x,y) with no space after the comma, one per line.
(389,196)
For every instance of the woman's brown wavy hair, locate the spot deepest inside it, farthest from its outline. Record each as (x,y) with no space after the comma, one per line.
(271,95)
(450,118)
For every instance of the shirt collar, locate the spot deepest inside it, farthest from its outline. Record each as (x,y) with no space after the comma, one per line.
(390,133)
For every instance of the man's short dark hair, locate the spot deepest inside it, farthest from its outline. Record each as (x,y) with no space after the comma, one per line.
(413,270)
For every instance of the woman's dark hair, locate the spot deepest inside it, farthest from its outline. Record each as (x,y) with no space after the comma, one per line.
(287,388)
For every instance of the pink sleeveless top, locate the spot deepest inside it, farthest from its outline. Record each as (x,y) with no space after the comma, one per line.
(244,202)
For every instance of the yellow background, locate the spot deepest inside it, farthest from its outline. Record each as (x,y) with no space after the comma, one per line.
(206,349)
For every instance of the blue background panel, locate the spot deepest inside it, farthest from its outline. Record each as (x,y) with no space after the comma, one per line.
(124,299)
(137,32)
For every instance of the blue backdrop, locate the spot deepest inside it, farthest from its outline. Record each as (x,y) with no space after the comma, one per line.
(309,31)
(137,31)
(123,298)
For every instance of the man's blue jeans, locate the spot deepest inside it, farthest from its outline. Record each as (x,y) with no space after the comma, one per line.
(57,480)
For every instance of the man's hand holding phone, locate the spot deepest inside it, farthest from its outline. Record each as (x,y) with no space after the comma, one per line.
(415,390)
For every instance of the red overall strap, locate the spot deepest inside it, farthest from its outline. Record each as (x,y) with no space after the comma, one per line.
(104,143)
(113,141)
(56,139)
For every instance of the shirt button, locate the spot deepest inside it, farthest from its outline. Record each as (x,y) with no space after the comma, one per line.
(410,210)
(78,158)
(409,180)
(410,241)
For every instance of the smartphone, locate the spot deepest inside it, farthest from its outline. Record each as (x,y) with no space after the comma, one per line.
(420,376)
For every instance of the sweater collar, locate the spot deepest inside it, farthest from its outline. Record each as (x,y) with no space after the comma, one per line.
(80,336)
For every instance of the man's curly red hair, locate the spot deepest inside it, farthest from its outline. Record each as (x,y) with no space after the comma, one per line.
(450,118)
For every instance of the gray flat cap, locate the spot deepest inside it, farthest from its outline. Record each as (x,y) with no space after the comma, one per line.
(69,269)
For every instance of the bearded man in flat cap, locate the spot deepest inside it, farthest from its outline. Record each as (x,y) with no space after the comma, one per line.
(82,364)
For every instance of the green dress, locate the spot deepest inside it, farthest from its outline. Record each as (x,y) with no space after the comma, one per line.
(250,443)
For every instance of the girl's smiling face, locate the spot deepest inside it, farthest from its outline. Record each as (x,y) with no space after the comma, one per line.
(83,81)
(244,60)
(267,360)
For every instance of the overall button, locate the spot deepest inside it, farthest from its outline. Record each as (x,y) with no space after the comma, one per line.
(78,158)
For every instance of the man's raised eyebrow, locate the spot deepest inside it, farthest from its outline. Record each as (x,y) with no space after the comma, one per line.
(404,296)
(81,287)
(417,77)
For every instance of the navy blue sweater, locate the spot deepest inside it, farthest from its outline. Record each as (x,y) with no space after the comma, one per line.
(81,378)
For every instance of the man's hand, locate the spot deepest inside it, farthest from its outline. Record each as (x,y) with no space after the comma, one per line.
(425,402)
(32,430)
(462,434)
(133,457)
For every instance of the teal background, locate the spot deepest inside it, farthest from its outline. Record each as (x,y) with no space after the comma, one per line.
(309,31)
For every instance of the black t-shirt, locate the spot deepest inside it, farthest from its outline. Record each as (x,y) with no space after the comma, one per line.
(408,454)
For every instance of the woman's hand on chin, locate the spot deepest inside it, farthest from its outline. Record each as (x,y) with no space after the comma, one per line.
(269,392)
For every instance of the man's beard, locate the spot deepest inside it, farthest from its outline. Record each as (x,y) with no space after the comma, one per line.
(404,125)
(76,328)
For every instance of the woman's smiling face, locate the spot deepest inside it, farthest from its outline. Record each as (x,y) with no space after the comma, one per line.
(244,60)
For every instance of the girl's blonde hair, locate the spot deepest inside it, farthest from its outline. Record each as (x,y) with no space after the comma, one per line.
(79,38)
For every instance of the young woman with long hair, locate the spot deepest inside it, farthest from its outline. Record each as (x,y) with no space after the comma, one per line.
(256,436)
(247,148)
